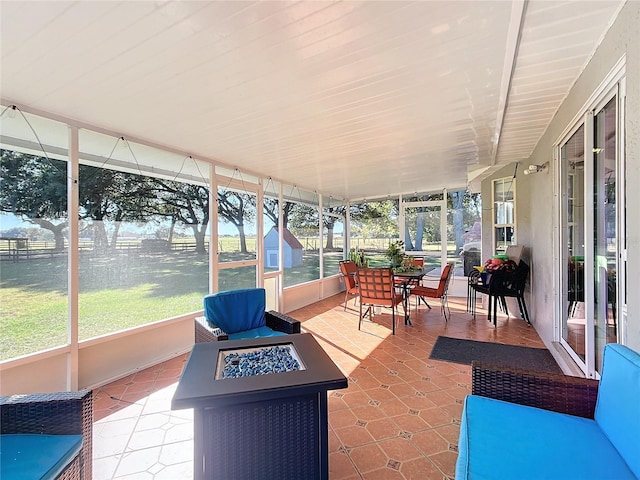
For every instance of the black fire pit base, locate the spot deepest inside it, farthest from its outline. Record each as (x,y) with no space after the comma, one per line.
(260,427)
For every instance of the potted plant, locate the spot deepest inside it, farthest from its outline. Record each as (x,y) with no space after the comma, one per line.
(395,253)
(358,257)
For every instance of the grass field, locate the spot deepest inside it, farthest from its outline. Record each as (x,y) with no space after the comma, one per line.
(116,292)
(120,291)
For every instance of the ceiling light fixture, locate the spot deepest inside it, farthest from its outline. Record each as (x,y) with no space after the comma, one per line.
(536,168)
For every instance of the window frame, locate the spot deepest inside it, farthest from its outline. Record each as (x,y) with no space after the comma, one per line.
(494,220)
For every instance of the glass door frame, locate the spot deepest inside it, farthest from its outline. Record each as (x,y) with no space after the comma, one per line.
(562,254)
(275,291)
(614,87)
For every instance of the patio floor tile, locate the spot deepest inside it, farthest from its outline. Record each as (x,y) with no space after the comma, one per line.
(399,418)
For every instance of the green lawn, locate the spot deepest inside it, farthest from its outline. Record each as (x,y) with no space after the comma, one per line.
(116,292)
(120,291)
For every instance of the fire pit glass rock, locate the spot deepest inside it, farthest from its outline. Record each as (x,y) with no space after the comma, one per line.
(248,362)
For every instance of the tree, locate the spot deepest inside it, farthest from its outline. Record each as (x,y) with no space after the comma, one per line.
(466,210)
(110,195)
(458,226)
(237,208)
(271,211)
(185,203)
(304,220)
(330,222)
(375,219)
(35,189)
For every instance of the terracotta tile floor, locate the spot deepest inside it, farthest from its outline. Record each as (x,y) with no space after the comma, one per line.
(399,418)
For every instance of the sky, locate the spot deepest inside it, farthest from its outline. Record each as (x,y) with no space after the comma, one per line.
(9,221)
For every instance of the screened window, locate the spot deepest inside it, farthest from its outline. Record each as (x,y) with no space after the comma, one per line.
(301,237)
(33,235)
(143,246)
(374,225)
(504,205)
(333,237)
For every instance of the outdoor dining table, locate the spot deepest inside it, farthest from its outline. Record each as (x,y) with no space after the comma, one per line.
(408,279)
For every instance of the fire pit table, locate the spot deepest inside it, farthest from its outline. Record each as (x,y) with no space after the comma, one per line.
(260,407)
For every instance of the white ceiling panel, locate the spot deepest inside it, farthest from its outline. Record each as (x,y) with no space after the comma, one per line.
(352,99)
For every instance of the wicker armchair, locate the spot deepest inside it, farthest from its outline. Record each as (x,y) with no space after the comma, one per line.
(64,413)
(556,392)
(523,424)
(280,322)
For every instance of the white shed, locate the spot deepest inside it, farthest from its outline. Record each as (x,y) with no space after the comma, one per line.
(292,249)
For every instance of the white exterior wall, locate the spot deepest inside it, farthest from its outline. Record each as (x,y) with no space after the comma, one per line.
(535,207)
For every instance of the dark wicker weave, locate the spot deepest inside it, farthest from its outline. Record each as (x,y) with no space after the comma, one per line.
(64,413)
(557,392)
(282,323)
(205,332)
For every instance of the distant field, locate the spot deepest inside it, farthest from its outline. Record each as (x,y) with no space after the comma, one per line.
(128,287)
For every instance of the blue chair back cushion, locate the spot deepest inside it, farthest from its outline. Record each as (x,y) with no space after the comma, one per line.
(618,406)
(236,310)
(33,456)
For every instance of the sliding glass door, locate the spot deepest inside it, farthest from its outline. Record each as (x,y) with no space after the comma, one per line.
(591,221)
(605,232)
(573,313)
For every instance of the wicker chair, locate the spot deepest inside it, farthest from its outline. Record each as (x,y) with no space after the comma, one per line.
(550,391)
(524,424)
(63,413)
(237,314)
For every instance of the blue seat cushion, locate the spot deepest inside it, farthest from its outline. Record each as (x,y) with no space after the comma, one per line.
(256,333)
(236,310)
(33,456)
(509,441)
(618,405)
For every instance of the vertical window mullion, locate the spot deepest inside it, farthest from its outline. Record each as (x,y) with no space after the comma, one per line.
(73,207)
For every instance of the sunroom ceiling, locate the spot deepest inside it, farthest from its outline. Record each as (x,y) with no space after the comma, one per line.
(351,99)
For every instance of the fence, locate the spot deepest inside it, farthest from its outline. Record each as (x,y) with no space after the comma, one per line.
(17,249)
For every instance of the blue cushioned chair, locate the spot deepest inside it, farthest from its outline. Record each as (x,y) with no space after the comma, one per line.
(502,439)
(46,436)
(237,314)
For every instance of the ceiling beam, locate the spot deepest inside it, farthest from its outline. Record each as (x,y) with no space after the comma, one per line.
(514,35)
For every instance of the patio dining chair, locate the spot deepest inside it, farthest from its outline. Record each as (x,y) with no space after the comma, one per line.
(377,289)
(502,284)
(349,269)
(422,293)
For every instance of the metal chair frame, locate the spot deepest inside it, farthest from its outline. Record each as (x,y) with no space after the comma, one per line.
(501,285)
(421,292)
(377,289)
(349,271)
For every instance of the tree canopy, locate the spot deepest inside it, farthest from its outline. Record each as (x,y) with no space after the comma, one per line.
(35,189)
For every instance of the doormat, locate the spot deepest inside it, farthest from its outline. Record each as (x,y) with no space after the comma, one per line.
(462,351)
